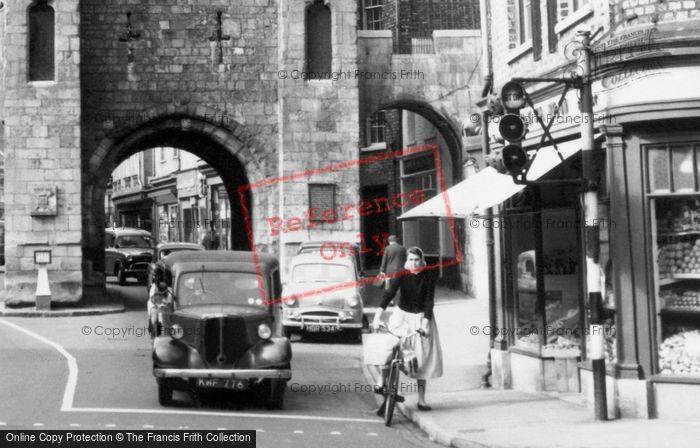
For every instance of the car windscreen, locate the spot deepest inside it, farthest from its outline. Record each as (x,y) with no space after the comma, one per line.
(207,287)
(137,241)
(321,272)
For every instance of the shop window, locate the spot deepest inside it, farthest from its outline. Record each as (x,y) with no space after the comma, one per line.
(675,224)
(41,42)
(673,168)
(318,40)
(372,14)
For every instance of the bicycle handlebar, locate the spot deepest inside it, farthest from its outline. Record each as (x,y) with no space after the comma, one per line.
(382,326)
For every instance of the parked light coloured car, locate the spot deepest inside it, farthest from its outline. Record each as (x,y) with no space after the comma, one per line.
(128,252)
(163,250)
(223,328)
(315,301)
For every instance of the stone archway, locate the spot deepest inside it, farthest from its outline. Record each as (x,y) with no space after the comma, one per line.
(441,123)
(225,146)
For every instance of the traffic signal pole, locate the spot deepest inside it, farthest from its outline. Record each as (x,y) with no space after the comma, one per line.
(589,199)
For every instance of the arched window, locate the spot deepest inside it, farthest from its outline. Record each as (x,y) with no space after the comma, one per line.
(319,51)
(41,41)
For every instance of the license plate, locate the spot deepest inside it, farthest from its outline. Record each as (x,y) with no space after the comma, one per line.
(222,383)
(322,328)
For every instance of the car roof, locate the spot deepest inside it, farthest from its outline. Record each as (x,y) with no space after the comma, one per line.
(317,258)
(179,245)
(319,243)
(128,231)
(240,261)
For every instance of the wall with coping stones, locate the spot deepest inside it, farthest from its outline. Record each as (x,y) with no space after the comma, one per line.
(42,147)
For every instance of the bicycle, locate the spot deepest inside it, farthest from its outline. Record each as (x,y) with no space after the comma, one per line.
(401,360)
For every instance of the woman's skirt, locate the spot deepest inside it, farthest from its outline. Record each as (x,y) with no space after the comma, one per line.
(427,349)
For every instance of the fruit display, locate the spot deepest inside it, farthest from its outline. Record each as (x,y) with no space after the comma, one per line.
(686,300)
(680,258)
(681,219)
(680,354)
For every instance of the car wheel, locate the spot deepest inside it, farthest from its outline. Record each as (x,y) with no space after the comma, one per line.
(165,393)
(121,275)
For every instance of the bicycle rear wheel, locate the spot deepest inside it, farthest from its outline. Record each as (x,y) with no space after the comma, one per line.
(392,392)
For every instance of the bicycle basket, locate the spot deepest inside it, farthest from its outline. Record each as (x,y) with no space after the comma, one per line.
(410,361)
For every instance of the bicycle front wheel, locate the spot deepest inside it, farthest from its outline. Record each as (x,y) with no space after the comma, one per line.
(392,392)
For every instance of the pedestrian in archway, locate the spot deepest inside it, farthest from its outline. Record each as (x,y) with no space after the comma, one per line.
(393,260)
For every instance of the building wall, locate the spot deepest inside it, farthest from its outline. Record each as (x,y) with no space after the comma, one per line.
(506,63)
(319,122)
(42,148)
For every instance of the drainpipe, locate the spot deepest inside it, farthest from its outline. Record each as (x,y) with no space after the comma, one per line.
(487,72)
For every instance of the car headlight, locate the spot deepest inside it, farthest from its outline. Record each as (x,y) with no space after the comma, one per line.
(290,301)
(353,301)
(129,259)
(264,331)
(176,331)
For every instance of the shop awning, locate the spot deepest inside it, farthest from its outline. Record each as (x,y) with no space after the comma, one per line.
(488,187)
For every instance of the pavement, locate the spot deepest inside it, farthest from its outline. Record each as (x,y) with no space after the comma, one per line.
(466,415)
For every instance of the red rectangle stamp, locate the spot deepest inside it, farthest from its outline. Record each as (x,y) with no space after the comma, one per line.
(330,265)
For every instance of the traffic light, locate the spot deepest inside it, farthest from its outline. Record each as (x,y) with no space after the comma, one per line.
(512,158)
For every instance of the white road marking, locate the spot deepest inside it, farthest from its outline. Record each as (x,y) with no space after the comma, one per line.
(74,425)
(110,425)
(372,434)
(336,433)
(225,414)
(69,392)
(221,429)
(259,430)
(298,431)
(3,424)
(147,426)
(71,384)
(38,424)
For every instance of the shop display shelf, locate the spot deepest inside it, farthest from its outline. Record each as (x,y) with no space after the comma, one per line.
(680,310)
(679,233)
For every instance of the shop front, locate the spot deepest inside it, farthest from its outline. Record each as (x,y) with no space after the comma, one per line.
(649,204)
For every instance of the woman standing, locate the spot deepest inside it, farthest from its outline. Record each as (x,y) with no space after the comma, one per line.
(415,311)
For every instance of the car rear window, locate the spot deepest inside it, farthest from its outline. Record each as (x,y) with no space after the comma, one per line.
(321,272)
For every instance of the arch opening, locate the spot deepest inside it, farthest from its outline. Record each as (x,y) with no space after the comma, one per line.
(179,179)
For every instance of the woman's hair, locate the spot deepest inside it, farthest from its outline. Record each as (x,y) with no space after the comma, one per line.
(415,250)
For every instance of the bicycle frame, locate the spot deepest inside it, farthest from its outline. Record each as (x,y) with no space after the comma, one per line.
(395,366)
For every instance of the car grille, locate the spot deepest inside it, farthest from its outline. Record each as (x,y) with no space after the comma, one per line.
(320,313)
(233,331)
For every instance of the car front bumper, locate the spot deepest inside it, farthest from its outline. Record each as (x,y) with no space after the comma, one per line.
(324,316)
(235,374)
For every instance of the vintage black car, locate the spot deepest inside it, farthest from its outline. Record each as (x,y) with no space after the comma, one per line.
(128,253)
(223,329)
